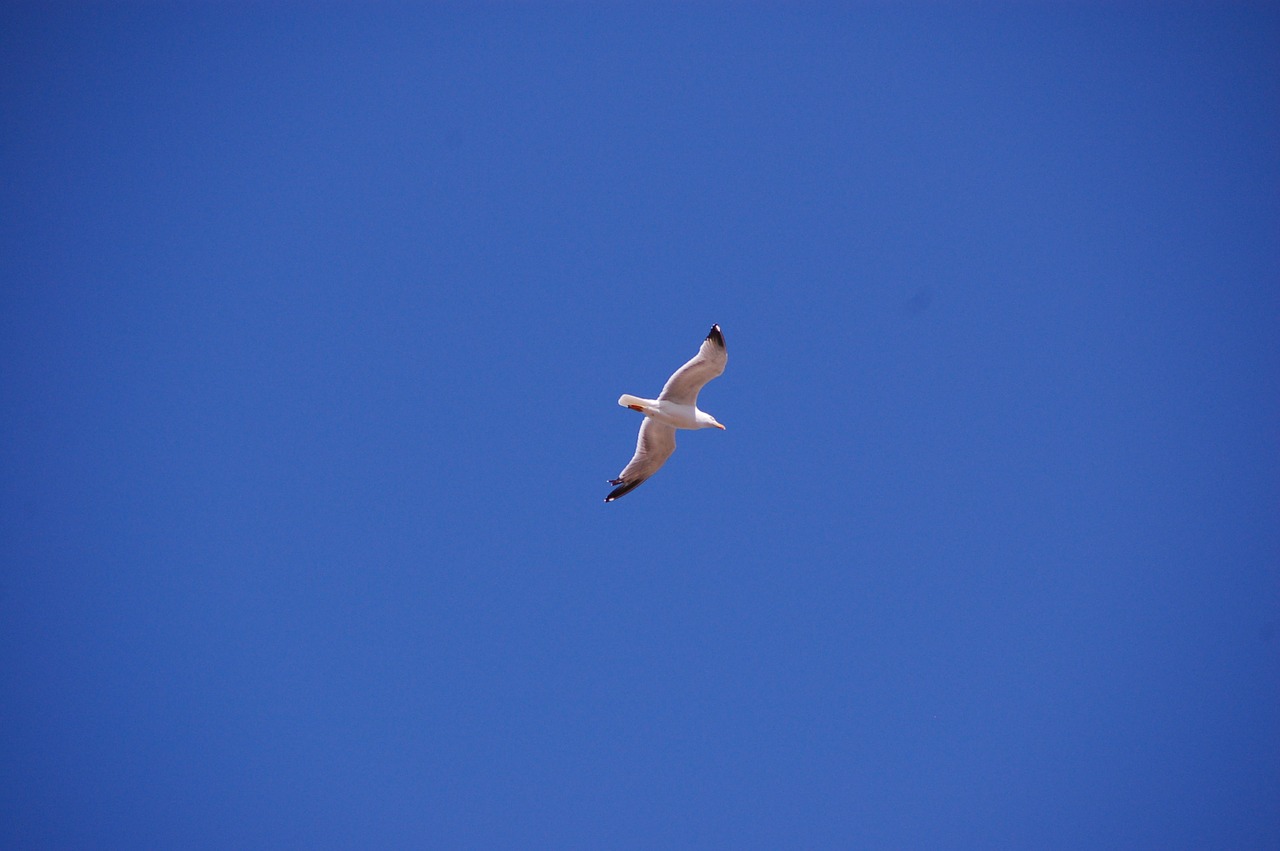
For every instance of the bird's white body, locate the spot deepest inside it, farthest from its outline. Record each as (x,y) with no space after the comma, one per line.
(670,413)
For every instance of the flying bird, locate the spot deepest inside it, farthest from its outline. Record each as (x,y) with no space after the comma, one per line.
(676,407)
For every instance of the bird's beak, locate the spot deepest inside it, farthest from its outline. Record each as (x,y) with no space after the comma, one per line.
(719,426)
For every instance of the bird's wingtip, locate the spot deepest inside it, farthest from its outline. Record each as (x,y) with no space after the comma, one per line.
(622,489)
(715,336)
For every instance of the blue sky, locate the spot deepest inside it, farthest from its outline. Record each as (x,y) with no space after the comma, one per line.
(314,322)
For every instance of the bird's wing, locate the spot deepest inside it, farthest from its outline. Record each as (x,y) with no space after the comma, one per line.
(654,446)
(682,387)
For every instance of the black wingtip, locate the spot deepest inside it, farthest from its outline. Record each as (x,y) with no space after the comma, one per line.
(621,490)
(715,336)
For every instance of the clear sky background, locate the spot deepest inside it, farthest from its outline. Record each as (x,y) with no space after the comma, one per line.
(314,320)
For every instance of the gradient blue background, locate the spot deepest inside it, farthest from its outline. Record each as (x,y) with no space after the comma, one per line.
(314,322)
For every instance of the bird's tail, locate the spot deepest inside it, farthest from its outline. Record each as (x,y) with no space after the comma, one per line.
(633,402)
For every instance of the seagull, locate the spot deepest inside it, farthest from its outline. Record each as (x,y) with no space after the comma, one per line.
(676,407)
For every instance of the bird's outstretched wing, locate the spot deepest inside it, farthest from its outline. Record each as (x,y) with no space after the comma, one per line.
(683,386)
(653,447)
